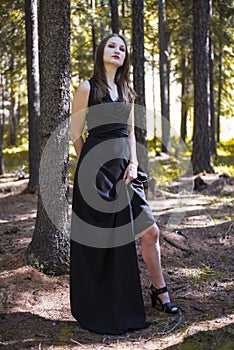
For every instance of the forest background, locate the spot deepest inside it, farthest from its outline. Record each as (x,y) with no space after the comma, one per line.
(167,60)
(181,68)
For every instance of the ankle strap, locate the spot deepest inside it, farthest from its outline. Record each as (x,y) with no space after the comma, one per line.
(158,291)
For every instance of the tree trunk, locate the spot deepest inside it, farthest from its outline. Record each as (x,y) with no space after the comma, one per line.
(33,92)
(184,107)
(2,120)
(154,102)
(123,16)
(139,81)
(114,16)
(201,148)
(168,63)
(2,167)
(49,248)
(93,26)
(12,116)
(163,79)
(220,69)
(212,112)
(102,24)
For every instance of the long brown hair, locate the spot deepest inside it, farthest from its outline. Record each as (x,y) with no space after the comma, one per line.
(121,77)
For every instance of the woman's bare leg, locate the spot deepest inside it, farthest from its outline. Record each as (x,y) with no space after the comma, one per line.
(152,257)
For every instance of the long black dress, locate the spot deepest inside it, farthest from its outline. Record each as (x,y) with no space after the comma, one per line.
(105,288)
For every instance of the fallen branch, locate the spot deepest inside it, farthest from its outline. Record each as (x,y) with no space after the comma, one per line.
(169,330)
(176,245)
(76,342)
(180,233)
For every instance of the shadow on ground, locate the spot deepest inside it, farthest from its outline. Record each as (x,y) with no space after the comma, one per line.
(50,333)
(219,339)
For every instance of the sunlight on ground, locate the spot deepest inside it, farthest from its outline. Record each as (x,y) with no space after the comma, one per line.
(195,274)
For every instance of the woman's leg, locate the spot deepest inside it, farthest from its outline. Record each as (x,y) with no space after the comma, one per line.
(152,257)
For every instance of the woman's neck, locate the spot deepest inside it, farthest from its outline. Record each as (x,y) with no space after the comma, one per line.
(110,75)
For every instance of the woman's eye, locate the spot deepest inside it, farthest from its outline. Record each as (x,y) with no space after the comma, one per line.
(112,46)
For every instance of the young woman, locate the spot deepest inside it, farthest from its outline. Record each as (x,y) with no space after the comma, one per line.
(109,204)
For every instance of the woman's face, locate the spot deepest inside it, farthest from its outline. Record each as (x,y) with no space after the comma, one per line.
(114,52)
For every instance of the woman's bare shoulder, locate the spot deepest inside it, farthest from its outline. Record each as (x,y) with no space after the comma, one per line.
(83,88)
(81,96)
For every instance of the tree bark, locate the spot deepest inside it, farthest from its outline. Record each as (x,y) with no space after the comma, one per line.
(154,101)
(102,24)
(201,147)
(115,25)
(93,26)
(32,57)
(220,84)
(184,107)
(2,121)
(211,82)
(123,16)
(163,79)
(139,81)
(12,116)
(49,248)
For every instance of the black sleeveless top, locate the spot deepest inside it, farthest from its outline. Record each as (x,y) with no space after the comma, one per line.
(110,117)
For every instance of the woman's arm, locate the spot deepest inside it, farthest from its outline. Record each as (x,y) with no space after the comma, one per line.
(79,110)
(131,171)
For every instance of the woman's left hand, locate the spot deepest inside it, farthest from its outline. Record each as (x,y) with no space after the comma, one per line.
(130,173)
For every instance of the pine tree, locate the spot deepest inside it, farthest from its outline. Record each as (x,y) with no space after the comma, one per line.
(201,146)
(49,248)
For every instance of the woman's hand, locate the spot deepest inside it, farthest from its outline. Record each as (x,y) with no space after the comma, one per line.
(130,173)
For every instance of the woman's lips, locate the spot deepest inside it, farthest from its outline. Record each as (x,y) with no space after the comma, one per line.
(116,57)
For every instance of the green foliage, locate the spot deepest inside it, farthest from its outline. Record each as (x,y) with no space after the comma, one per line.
(13,62)
(11,25)
(168,169)
(224,162)
(163,171)
(89,22)
(223,37)
(16,159)
(151,30)
(81,42)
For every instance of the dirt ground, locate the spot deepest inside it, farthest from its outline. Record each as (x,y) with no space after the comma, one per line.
(197,257)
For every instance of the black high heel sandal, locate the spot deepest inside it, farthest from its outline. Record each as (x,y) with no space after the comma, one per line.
(158,304)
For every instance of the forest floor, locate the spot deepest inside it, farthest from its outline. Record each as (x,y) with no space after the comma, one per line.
(197,239)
